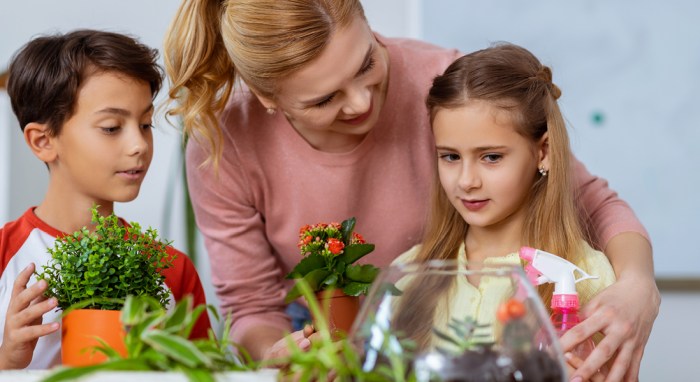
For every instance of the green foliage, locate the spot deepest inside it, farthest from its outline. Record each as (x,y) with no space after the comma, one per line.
(107,265)
(158,340)
(339,360)
(466,334)
(329,252)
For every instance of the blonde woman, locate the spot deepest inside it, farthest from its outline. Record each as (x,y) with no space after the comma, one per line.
(298,112)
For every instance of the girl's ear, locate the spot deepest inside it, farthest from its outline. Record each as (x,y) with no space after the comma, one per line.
(40,142)
(543,152)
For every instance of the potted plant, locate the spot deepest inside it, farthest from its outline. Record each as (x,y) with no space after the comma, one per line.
(91,273)
(158,340)
(329,253)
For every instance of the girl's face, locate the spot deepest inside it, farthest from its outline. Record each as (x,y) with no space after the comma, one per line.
(486,168)
(335,100)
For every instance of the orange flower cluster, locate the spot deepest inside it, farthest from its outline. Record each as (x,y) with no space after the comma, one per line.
(321,238)
(329,252)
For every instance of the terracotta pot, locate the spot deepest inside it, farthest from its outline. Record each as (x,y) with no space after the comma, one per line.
(80,329)
(339,310)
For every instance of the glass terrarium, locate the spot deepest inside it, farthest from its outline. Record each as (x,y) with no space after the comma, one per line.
(444,321)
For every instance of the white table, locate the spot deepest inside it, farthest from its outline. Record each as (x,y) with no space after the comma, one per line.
(265,375)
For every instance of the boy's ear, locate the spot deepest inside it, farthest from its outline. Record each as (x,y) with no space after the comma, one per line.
(543,152)
(40,142)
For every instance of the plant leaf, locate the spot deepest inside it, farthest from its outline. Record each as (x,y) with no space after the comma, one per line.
(177,317)
(390,288)
(306,265)
(136,308)
(178,348)
(74,373)
(363,273)
(354,288)
(191,321)
(446,337)
(106,349)
(313,280)
(354,252)
(331,280)
(199,375)
(346,228)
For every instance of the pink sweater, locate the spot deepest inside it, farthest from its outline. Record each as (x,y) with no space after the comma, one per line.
(271,182)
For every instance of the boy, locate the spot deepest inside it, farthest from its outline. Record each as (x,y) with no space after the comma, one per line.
(84,101)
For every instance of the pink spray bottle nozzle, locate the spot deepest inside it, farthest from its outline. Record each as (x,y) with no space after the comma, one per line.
(544,267)
(527,253)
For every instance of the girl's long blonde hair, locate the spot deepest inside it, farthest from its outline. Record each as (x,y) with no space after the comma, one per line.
(512,79)
(213,43)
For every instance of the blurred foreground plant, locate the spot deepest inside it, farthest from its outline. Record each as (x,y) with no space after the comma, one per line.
(331,359)
(158,340)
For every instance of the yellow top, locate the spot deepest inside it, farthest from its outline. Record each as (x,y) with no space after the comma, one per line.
(481,302)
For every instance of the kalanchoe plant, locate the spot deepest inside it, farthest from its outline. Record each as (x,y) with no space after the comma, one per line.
(329,252)
(108,264)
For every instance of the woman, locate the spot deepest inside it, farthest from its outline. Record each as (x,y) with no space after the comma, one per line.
(299,113)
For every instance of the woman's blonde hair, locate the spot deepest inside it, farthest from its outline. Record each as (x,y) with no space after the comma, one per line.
(513,80)
(213,43)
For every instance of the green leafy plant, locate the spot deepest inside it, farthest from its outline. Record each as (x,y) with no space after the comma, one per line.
(158,340)
(339,360)
(466,334)
(329,252)
(112,262)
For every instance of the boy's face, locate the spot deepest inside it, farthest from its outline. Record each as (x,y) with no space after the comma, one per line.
(103,151)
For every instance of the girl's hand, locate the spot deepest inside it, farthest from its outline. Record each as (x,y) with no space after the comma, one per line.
(274,356)
(23,322)
(624,312)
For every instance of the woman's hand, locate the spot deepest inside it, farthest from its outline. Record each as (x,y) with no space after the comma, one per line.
(573,362)
(624,312)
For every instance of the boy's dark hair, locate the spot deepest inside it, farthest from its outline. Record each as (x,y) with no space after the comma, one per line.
(46,74)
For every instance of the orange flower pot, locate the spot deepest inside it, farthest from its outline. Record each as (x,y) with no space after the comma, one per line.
(339,310)
(80,329)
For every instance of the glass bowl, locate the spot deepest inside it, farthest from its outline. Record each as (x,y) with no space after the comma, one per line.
(442,321)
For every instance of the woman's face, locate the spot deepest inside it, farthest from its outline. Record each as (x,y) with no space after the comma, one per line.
(335,100)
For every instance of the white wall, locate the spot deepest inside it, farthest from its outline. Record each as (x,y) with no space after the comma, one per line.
(671,353)
(395,18)
(7,120)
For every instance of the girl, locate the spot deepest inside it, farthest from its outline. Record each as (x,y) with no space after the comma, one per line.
(504,179)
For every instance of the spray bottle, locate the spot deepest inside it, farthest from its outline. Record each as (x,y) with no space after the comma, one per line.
(544,267)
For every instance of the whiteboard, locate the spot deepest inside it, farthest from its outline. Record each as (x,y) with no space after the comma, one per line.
(630,78)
